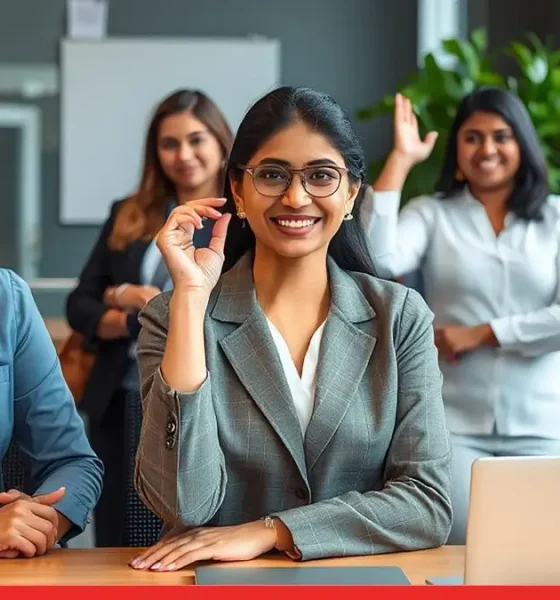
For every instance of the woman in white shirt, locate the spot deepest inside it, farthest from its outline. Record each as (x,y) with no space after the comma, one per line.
(293,402)
(487,245)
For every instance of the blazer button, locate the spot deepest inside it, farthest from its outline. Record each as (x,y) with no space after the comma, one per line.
(170,442)
(300,493)
(171,427)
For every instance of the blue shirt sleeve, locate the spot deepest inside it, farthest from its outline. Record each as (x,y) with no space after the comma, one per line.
(47,426)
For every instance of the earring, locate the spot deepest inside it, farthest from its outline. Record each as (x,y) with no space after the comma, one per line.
(242,216)
(459,175)
(348,217)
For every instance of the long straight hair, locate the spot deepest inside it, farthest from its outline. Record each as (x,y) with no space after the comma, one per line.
(322,114)
(144,213)
(531,188)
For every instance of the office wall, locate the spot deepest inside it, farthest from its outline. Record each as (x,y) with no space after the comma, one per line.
(508,20)
(357,50)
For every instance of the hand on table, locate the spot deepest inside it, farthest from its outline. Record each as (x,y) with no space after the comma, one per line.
(28,525)
(239,542)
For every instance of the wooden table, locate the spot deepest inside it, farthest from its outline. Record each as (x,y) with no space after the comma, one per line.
(109,566)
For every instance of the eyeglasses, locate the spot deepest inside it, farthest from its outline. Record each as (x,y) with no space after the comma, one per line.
(319,181)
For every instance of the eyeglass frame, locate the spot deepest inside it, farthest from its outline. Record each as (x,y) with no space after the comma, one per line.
(249,169)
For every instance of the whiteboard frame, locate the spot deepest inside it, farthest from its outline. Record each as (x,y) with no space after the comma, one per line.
(63,219)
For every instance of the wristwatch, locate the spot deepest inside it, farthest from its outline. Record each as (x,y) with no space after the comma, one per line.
(269,522)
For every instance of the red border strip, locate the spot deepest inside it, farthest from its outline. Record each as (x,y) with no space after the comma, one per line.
(276,592)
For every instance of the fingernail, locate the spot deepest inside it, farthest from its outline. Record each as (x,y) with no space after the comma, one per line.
(156,566)
(138,564)
(170,567)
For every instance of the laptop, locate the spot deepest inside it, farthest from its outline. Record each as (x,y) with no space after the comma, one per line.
(513,530)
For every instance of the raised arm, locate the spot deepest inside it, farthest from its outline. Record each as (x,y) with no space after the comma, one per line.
(413,510)
(398,242)
(180,467)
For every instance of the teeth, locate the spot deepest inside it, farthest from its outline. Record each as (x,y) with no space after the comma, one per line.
(295,224)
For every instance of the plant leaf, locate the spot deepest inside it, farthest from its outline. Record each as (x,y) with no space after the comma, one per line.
(548,130)
(512,84)
(383,107)
(522,55)
(479,39)
(539,47)
(466,53)
(554,58)
(489,78)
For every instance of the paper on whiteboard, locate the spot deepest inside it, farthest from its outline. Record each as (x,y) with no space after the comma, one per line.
(87,19)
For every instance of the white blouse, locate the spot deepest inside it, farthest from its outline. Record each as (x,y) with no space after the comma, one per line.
(471,276)
(302,388)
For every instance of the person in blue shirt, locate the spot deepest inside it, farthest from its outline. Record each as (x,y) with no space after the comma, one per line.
(38,413)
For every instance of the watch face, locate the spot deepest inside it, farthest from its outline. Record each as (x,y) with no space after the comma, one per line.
(269,522)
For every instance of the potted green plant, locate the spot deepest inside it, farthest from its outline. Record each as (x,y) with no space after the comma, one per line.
(435,93)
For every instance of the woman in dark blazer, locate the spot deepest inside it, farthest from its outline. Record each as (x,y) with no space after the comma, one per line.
(187,145)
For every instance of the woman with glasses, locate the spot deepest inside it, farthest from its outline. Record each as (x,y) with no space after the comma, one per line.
(488,246)
(291,400)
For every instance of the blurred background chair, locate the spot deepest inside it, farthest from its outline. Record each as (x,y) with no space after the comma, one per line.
(141,527)
(14,471)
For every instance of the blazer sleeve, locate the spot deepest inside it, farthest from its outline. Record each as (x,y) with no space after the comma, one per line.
(47,427)
(84,306)
(180,469)
(413,509)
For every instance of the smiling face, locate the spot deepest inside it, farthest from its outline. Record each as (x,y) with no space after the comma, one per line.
(487,152)
(189,154)
(295,222)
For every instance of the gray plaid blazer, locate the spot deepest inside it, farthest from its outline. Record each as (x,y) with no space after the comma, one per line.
(371,475)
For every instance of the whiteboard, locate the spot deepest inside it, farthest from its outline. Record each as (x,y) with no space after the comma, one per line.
(109,89)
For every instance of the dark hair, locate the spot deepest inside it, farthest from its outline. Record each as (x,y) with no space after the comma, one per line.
(322,114)
(144,213)
(531,186)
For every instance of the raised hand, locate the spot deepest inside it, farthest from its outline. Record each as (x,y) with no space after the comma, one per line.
(191,269)
(408,142)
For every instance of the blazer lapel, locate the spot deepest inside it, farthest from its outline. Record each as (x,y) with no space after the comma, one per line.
(251,352)
(345,354)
